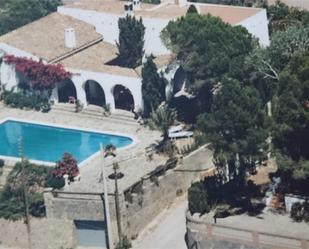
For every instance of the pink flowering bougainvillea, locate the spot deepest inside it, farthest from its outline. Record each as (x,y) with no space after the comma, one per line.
(39,75)
(67,166)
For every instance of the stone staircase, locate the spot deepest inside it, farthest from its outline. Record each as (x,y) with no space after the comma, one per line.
(64,107)
(92,111)
(5,173)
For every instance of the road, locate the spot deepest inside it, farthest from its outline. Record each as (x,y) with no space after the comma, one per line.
(167,230)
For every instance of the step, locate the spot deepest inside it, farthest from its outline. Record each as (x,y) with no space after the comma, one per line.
(97,110)
(123,113)
(97,116)
(64,107)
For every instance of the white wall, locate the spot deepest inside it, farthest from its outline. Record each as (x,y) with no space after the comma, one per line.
(258,26)
(7,72)
(153,43)
(107,25)
(107,82)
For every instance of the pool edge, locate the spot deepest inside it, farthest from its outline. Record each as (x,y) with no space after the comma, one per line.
(82,163)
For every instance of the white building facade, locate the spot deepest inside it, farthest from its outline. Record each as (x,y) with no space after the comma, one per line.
(106,23)
(116,85)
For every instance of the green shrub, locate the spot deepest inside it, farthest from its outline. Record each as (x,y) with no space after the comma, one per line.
(55,182)
(296,212)
(26,99)
(46,108)
(198,199)
(300,212)
(124,243)
(12,197)
(1,163)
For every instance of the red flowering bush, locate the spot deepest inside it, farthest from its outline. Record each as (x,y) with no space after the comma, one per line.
(67,166)
(40,76)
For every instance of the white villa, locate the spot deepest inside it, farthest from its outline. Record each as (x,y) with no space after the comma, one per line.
(82,37)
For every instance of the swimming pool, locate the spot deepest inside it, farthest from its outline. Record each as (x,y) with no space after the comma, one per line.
(47,143)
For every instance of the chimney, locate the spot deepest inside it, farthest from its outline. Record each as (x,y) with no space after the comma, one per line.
(136,5)
(128,9)
(70,39)
(181,3)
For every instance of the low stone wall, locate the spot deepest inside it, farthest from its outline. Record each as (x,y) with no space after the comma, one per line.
(201,234)
(45,233)
(140,203)
(155,194)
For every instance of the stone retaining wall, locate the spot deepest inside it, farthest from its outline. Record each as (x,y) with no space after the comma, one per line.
(45,233)
(140,203)
(155,194)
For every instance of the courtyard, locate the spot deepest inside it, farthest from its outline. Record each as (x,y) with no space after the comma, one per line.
(134,163)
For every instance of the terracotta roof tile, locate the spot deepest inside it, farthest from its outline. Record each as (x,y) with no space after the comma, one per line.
(94,59)
(168,10)
(44,38)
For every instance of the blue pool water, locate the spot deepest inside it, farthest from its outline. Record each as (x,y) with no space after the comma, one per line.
(48,143)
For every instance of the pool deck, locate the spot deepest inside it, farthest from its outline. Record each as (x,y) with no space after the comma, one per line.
(132,159)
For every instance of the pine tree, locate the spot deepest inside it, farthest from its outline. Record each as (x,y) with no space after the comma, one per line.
(153,86)
(291,116)
(131,41)
(236,128)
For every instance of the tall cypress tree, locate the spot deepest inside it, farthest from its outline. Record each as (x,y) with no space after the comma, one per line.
(131,41)
(192,9)
(153,86)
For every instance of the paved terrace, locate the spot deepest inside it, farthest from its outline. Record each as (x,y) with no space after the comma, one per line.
(133,160)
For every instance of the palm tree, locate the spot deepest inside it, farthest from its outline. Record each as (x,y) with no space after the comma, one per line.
(162,119)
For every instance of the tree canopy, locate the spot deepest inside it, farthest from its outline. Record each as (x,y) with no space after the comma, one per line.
(131,41)
(282,16)
(284,44)
(162,119)
(291,116)
(263,65)
(153,86)
(16,13)
(212,50)
(236,126)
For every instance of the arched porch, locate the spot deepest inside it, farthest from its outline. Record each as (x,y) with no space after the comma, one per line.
(94,93)
(66,89)
(123,98)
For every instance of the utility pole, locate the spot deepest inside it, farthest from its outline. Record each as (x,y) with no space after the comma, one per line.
(106,203)
(25,191)
(118,216)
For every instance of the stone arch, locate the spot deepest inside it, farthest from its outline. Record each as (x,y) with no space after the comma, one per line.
(94,93)
(123,98)
(178,80)
(65,90)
